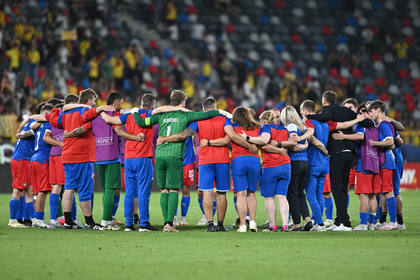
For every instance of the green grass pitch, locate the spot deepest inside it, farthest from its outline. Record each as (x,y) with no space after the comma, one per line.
(195,254)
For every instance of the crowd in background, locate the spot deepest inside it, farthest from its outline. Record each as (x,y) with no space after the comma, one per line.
(51,48)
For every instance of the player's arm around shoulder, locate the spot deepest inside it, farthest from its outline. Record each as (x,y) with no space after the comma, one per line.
(145,122)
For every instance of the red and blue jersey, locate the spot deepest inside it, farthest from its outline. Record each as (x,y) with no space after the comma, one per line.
(277,133)
(386,132)
(41,148)
(302,155)
(189,155)
(135,149)
(211,129)
(24,147)
(238,150)
(76,149)
(321,131)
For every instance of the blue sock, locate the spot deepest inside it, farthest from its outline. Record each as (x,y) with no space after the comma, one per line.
(234,202)
(116,203)
(214,207)
(379,210)
(176,212)
(200,202)
(30,209)
(329,207)
(37,215)
(372,218)
(74,209)
(391,203)
(41,215)
(19,212)
(26,214)
(364,218)
(348,201)
(13,206)
(54,198)
(185,204)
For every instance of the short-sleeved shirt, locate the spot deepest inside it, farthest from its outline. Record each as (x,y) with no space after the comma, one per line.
(238,150)
(211,129)
(76,149)
(41,148)
(302,155)
(24,147)
(136,149)
(277,133)
(321,131)
(386,132)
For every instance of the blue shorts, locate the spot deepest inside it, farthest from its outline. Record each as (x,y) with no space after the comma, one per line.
(245,173)
(275,180)
(80,176)
(208,174)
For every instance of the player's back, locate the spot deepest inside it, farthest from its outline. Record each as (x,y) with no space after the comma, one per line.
(210,129)
(41,148)
(171,123)
(238,150)
(77,149)
(24,147)
(321,132)
(136,149)
(278,133)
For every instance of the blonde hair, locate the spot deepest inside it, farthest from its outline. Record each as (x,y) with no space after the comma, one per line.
(267,116)
(289,115)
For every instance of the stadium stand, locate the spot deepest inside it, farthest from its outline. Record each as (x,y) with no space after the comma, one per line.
(261,54)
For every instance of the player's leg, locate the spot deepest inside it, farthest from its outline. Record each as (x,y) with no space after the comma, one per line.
(144,186)
(160,166)
(85,179)
(116,203)
(206,183)
(222,187)
(203,220)
(112,183)
(319,191)
(54,202)
(391,203)
(293,194)
(253,176)
(268,188)
(18,187)
(174,182)
(362,189)
(43,185)
(281,192)
(131,178)
(240,188)
(396,178)
(311,195)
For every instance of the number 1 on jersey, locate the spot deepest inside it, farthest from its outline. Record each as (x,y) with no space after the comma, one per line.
(168,132)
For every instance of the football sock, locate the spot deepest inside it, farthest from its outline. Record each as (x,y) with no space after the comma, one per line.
(214,207)
(185,204)
(372,218)
(329,207)
(379,210)
(116,203)
(19,212)
(13,206)
(391,203)
(200,202)
(382,219)
(74,209)
(364,218)
(172,205)
(400,219)
(164,206)
(54,199)
(26,214)
(348,201)
(89,220)
(234,202)
(60,209)
(107,204)
(30,209)
(220,223)
(68,218)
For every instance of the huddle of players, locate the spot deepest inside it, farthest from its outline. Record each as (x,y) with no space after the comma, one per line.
(285,145)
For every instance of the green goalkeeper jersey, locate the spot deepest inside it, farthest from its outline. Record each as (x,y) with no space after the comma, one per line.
(171,123)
